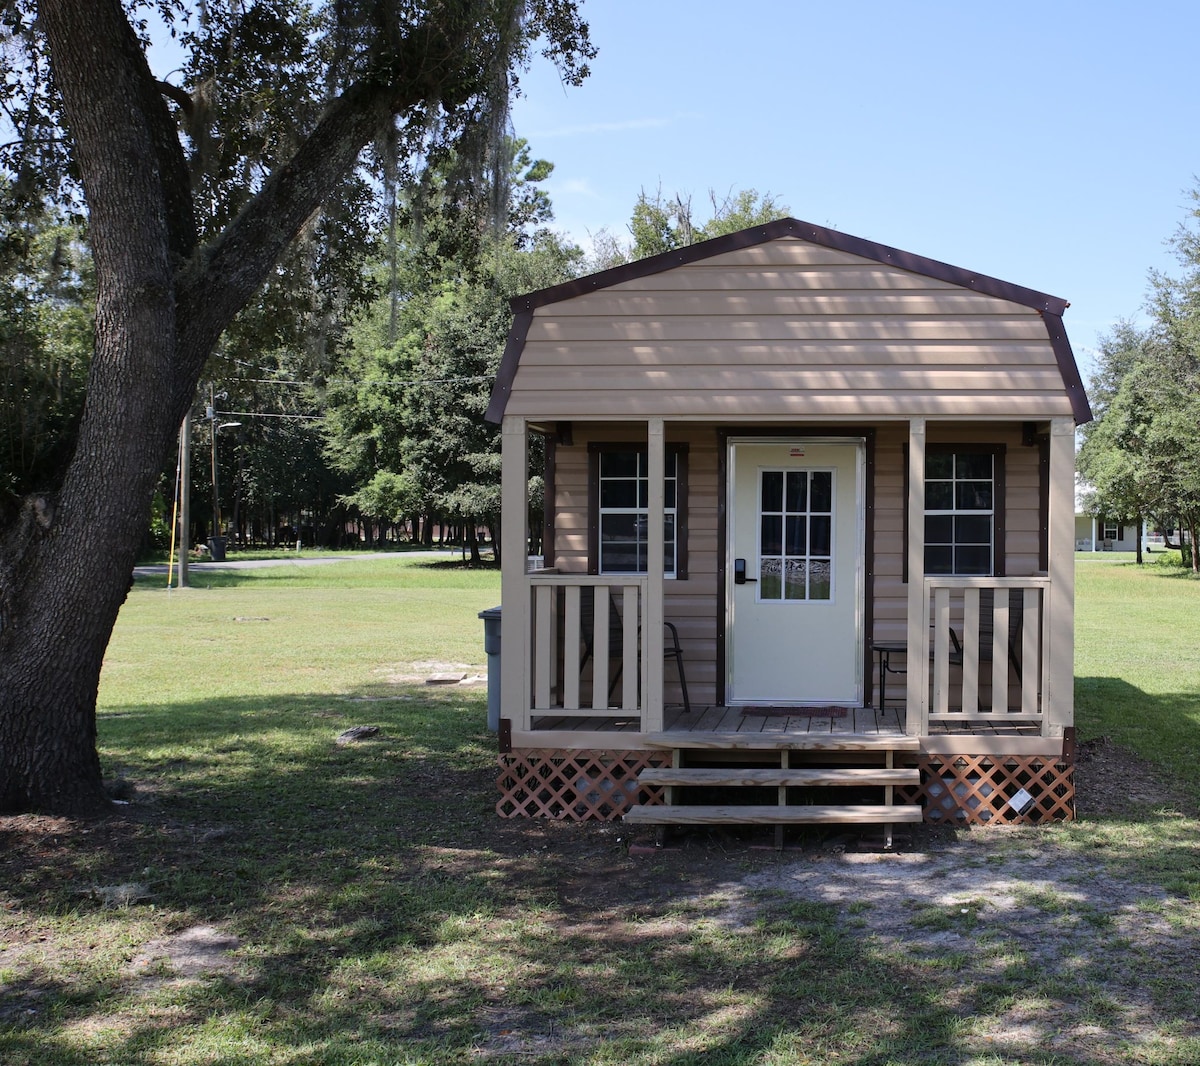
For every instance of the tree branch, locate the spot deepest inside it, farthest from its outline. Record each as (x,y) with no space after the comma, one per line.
(180,96)
(223,276)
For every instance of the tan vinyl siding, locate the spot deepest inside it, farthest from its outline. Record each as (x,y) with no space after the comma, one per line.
(890,591)
(789,330)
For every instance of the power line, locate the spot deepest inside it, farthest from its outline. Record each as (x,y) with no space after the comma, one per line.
(370,381)
(266,414)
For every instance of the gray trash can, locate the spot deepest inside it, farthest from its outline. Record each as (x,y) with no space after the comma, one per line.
(491,647)
(216,549)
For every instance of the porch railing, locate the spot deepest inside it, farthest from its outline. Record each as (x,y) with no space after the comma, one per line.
(988,649)
(586,644)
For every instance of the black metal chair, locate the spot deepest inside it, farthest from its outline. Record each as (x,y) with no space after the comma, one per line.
(986,629)
(671,646)
(884,650)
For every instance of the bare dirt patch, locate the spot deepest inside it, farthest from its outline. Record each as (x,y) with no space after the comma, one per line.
(1110,779)
(195,952)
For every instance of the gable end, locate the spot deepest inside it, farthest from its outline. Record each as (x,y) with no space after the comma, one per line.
(1049,307)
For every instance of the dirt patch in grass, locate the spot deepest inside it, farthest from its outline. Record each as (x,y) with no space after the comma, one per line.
(1110,779)
(198,951)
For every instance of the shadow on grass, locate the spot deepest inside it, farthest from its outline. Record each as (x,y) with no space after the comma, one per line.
(385,914)
(400,570)
(1164,727)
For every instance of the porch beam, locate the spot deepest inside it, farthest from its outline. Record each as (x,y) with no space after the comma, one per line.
(515,619)
(916,721)
(990,744)
(652,629)
(1058,693)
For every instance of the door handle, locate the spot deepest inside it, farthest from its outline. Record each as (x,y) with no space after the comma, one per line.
(739,573)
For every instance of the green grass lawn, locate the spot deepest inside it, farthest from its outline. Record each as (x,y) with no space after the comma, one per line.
(1137,660)
(374,910)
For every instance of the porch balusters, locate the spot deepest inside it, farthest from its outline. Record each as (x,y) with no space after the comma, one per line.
(559,607)
(960,643)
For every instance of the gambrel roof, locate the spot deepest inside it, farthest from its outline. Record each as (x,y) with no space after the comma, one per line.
(788,320)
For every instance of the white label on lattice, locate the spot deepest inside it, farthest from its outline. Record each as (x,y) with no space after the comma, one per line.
(1020,801)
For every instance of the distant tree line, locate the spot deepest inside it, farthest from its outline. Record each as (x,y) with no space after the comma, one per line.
(1140,457)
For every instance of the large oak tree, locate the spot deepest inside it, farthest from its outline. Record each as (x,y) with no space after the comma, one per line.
(175,260)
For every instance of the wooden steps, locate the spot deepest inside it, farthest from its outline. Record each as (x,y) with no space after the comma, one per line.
(783,741)
(715,777)
(773,815)
(860,762)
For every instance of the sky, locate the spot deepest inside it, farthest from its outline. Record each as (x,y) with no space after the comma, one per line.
(1049,144)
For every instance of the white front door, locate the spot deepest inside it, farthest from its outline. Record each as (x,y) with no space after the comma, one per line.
(795,572)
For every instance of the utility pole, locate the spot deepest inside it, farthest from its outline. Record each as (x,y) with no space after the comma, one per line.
(216,492)
(185,497)
(216,497)
(217,543)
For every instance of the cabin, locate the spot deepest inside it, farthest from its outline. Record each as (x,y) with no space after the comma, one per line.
(1097,533)
(805,546)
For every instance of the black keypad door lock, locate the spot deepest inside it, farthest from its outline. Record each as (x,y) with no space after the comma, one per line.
(739,573)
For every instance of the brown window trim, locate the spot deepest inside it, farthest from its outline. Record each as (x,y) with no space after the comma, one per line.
(680,451)
(998,452)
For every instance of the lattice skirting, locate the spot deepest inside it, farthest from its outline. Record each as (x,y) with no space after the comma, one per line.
(979,789)
(575,786)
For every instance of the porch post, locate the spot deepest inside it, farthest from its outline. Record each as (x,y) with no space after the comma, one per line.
(515,620)
(652,629)
(916,722)
(1058,693)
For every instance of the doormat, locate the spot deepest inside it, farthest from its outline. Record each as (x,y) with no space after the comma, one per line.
(797,712)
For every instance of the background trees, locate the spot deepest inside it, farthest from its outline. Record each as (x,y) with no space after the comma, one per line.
(1141,455)
(47,298)
(663,223)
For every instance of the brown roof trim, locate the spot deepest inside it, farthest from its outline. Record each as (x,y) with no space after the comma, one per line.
(1080,408)
(508,366)
(790,227)
(1050,307)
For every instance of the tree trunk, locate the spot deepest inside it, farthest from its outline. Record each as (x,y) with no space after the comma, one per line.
(67,563)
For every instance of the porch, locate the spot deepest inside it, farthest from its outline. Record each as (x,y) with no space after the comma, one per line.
(582,651)
(734,724)
(984,643)
(796,767)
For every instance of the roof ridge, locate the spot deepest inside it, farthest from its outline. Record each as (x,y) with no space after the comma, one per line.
(791,227)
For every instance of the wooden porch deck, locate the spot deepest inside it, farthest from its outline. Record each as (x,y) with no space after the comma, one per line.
(858,721)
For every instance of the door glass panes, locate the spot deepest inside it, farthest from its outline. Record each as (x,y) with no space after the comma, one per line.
(795,535)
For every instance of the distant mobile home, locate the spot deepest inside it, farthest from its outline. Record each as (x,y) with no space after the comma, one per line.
(808,540)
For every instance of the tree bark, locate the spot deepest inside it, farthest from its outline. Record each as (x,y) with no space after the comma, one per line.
(68,562)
